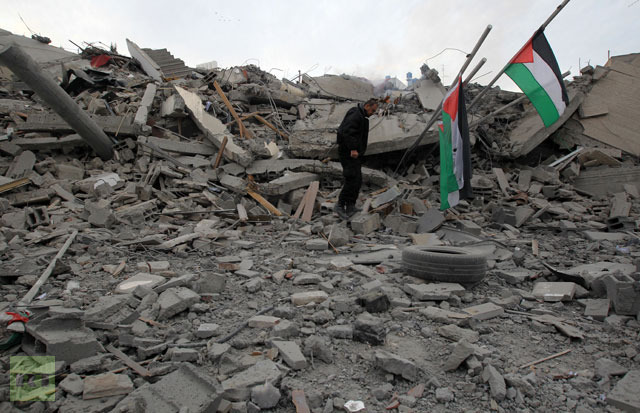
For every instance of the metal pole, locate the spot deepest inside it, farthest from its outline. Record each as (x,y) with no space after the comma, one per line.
(475,50)
(505,107)
(474,71)
(29,72)
(501,72)
(436,114)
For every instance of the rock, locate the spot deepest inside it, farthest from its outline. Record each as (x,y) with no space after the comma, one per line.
(184,354)
(342,331)
(265,395)
(206,330)
(374,302)
(460,352)
(396,365)
(318,347)
(496,382)
(72,384)
(606,368)
(455,333)
(291,354)
(238,387)
(625,395)
(444,395)
(308,297)
(382,392)
(369,329)
(176,300)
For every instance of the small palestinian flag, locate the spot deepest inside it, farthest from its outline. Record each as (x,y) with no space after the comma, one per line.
(455,150)
(535,70)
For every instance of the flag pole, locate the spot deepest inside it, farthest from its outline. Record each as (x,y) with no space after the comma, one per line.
(435,115)
(474,71)
(504,69)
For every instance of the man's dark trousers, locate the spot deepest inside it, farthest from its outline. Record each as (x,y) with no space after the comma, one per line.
(352,180)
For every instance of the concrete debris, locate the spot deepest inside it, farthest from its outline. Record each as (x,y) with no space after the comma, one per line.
(209,261)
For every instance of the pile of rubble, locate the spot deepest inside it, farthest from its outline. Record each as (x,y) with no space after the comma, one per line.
(201,268)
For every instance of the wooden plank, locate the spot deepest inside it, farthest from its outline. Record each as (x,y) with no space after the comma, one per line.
(300,401)
(270,126)
(502,180)
(310,201)
(128,361)
(264,202)
(244,132)
(14,184)
(242,213)
(220,152)
(301,205)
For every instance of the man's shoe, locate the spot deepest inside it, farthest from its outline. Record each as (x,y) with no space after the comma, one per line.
(351,210)
(341,211)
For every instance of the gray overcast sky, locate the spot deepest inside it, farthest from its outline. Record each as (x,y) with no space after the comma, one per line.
(358,37)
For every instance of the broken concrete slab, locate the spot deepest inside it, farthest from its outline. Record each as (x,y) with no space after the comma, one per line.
(625,395)
(291,354)
(484,311)
(187,388)
(213,129)
(106,385)
(176,300)
(238,387)
(554,291)
(397,365)
(430,221)
(434,291)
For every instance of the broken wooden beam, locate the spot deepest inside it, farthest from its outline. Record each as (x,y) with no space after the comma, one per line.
(264,202)
(243,130)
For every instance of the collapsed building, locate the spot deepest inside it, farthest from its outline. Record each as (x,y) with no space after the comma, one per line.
(198,267)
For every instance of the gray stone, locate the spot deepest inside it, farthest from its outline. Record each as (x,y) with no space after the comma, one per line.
(87,365)
(238,387)
(496,382)
(626,395)
(374,301)
(369,329)
(624,293)
(341,331)
(181,281)
(263,321)
(318,347)
(455,333)
(216,350)
(72,384)
(291,354)
(460,353)
(254,285)
(307,297)
(140,279)
(515,277)
(285,329)
(317,244)
(444,395)
(382,392)
(265,396)
(598,309)
(396,365)
(520,383)
(176,300)
(206,330)
(339,235)
(306,278)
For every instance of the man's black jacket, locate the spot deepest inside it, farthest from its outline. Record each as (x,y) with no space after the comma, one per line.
(353,132)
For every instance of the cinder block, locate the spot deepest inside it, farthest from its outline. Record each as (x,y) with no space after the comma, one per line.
(624,293)
(365,223)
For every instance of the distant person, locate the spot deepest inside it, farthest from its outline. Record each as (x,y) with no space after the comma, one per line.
(353,135)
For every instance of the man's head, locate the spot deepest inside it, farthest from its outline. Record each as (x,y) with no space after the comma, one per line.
(370,107)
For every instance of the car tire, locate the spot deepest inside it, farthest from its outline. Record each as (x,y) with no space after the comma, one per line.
(446,264)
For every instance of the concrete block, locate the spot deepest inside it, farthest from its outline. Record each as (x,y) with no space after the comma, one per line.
(307,297)
(21,165)
(72,384)
(625,394)
(515,277)
(341,331)
(339,235)
(176,300)
(285,329)
(484,311)
(374,301)
(365,223)
(430,221)
(287,183)
(153,266)
(397,365)
(433,291)
(69,172)
(624,293)
(598,309)
(455,333)
(186,389)
(291,354)
(469,226)
(554,291)
(400,225)
(106,385)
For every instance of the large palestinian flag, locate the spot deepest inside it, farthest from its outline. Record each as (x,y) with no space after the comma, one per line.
(455,150)
(535,70)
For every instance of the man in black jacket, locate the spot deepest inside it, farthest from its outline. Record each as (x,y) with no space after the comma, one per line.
(353,135)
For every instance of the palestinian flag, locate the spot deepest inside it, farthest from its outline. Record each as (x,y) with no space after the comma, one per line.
(455,150)
(535,70)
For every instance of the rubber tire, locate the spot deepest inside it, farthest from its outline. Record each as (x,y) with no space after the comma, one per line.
(445,264)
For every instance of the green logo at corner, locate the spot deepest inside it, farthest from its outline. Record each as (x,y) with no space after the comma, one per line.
(32,378)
